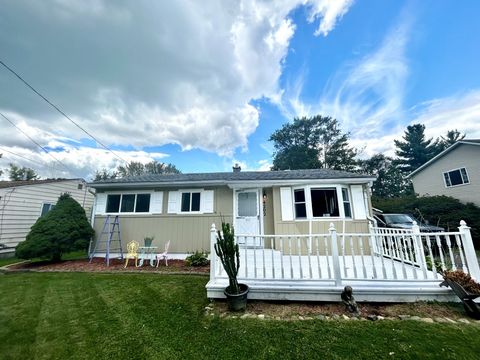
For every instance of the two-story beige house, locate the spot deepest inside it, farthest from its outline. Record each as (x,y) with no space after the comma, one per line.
(454,172)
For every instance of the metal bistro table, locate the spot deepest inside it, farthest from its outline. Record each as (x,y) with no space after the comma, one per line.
(147,253)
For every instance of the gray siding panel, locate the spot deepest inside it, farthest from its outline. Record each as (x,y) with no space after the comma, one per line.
(429,181)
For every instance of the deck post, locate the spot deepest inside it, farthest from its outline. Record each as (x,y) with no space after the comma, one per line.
(470,255)
(213,254)
(419,250)
(335,259)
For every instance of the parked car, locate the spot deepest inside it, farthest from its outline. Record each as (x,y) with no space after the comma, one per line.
(403,221)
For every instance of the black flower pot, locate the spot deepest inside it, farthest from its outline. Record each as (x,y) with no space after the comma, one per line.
(237,302)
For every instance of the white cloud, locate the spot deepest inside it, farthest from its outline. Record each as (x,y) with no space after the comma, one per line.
(459,111)
(151,73)
(330,11)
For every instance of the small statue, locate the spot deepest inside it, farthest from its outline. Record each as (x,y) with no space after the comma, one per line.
(349,301)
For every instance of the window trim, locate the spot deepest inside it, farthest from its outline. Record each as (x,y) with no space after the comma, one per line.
(308,202)
(121,193)
(300,202)
(50,209)
(448,174)
(347,189)
(190,191)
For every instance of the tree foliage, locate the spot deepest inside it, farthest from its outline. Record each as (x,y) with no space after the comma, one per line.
(415,150)
(63,229)
(16,173)
(449,139)
(136,168)
(390,181)
(310,143)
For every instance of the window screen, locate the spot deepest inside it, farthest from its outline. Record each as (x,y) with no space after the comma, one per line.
(128,203)
(185,201)
(247,204)
(195,201)
(143,203)
(113,203)
(346,203)
(300,205)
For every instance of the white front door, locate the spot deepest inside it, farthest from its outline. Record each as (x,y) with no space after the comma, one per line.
(247,217)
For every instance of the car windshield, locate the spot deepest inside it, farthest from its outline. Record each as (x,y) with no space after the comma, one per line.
(398,219)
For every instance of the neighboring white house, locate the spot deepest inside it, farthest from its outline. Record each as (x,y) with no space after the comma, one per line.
(454,172)
(23,202)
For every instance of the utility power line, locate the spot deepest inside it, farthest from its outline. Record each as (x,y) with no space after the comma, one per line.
(24,157)
(36,143)
(60,111)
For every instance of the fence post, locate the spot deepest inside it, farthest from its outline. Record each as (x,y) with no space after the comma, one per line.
(419,250)
(469,250)
(213,254)
(335,259)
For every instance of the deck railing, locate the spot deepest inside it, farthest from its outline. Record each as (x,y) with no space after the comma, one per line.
(381,254)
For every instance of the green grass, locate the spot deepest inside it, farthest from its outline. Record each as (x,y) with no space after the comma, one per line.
(69,256)
(151,316)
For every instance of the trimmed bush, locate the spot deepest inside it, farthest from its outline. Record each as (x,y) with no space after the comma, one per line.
(443,211)
(63,229)
(199,258)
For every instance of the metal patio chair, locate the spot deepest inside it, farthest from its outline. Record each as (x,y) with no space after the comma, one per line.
(163,255)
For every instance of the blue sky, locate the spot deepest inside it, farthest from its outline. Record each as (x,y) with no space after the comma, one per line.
(204,87)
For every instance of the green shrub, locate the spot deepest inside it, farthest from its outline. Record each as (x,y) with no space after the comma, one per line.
(443,211)
(63,229)
(199,258)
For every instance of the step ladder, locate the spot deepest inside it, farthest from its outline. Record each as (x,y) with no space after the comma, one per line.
(111,237)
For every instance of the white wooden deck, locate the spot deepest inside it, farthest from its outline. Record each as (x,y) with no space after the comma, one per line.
(384,265)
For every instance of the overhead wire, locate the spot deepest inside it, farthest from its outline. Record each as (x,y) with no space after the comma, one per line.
(21,156)
(60,111)
(36,143)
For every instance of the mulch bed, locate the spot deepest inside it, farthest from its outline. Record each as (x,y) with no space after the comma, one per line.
(99,265)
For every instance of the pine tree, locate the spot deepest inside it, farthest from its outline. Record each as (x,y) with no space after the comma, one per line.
(415,150)
(17,173)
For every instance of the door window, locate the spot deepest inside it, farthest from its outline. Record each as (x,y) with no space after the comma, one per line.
(247,204)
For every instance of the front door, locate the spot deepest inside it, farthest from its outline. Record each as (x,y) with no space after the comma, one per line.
(247,217)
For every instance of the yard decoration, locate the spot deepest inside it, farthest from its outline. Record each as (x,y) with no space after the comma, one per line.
(349,301)
(63,229)
(229,254)
(465,288)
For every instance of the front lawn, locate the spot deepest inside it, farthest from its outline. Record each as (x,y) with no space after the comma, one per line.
(151,316)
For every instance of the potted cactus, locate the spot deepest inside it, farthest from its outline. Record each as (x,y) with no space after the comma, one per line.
(227,251)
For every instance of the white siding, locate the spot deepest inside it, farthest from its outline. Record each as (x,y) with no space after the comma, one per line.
(20,207)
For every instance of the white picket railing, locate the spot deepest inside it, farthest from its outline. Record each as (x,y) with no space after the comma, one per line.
(382,254)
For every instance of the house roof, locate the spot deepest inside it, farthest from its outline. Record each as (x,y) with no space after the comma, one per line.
(9,184)
(475,142)
(232,177)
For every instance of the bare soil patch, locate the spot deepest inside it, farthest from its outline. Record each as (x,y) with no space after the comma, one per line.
(99,265)
(293,310)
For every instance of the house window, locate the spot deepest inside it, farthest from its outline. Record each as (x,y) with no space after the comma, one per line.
(347,208)
(247,204)
(128,203)
(46,208)
(190,201)
(300,204)
(456,177)
(324,202)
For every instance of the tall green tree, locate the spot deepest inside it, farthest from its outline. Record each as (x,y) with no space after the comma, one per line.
(136,168)
(104,174)
(16,173)
(450,138)
(312,143)
(390,182)
(415,150)
(155,167)
(1,171)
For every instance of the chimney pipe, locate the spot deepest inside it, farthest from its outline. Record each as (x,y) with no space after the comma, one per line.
(236,168)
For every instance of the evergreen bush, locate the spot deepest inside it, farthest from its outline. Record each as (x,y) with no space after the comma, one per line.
(63,229)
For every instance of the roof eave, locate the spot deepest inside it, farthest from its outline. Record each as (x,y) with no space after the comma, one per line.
(232,184)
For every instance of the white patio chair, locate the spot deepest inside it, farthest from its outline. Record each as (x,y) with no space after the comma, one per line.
(163,255)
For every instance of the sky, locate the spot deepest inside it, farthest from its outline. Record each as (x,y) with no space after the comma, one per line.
(203,84)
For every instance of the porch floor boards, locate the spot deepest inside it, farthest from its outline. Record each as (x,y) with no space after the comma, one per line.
(267,264)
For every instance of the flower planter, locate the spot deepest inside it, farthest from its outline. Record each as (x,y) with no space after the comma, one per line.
(237,302)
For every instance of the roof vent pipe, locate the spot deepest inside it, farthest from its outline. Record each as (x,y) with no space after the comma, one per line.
(236,168)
